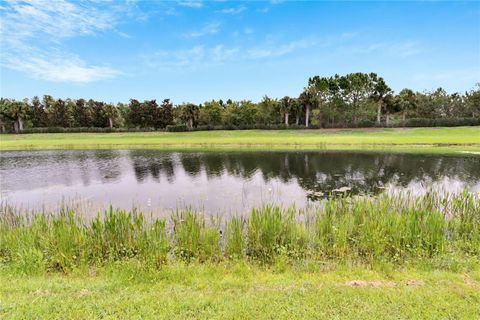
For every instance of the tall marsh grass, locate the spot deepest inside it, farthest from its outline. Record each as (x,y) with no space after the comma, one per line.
(391,228)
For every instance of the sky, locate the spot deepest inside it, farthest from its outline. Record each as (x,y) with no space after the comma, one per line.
(194,51)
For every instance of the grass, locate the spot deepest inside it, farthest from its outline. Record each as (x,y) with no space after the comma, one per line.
(425,139)
(389,257)
(238,290)
(396,230)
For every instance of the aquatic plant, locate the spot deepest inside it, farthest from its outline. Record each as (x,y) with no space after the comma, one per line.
(394,228)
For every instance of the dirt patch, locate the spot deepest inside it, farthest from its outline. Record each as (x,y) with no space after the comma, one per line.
(84,293)
(92,272)
(41,293)
(413,282)
(468,281)
(370,284)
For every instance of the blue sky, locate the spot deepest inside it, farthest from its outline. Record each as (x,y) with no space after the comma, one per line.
(202,50)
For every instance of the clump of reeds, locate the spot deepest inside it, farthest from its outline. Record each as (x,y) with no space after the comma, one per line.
(387,228)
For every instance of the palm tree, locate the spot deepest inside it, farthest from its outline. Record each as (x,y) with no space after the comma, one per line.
(305,99)
(110,113)
(15,111)
(286,104)
(297,108)
(188,113)
(380,91)
(406,101)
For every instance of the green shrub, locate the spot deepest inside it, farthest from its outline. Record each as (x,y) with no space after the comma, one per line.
(177,128)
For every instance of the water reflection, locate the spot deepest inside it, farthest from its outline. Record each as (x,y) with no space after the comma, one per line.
(222,180)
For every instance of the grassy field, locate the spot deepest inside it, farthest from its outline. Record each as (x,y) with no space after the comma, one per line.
(240,291)
(432,139)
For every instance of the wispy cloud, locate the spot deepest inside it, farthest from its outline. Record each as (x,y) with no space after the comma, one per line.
(203,56)
(32,31)
(56,18)
(59,67)
(210,28)
(236,10)
(402,49)
(191,3)
(466,75)
(188,59)
(281,50)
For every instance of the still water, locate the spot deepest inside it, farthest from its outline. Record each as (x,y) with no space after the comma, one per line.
(220,182)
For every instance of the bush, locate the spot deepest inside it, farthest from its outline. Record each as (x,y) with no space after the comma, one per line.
(177,128)
(364,123)
(439,122)
(83,129)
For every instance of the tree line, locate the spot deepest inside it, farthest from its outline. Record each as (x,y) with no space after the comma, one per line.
(352,100)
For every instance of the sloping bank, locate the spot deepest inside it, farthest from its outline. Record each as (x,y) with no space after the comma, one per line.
(362,258)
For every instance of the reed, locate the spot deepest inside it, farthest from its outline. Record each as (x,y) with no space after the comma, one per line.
(393,228)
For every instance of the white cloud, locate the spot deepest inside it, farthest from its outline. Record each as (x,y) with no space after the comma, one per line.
(201,56)
(55,18)
(191,3)
(236,10)
(281,50)
(188,59)
(59,67)
(31,33)
(401,49)
(210,28)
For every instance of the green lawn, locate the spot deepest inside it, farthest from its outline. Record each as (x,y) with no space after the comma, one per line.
(240,291)
(434,139)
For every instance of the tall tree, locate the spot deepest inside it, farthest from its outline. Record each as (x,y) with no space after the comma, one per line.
(380,91)
(319,87)
(356,88)
(135,113)
(189,114)
(37,114)
(111,113)
(406,102)
(82,114)
(306,99)
(164,114)
(286,104)
(472,101)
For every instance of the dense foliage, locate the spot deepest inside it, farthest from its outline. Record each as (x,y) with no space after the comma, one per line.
(353,100)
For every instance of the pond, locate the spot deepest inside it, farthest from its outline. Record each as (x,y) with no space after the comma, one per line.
(220,182)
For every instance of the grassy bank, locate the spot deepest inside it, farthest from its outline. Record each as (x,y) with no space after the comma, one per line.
(240,291)
(432,139)
(398,230)
(362,258)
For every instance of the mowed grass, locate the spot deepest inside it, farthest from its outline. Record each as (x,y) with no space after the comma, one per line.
(458,138)
(240,291)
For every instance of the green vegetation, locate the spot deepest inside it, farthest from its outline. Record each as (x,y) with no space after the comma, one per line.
(356,258)
(240,291)
(389,229)
(425,139)
(350,101)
